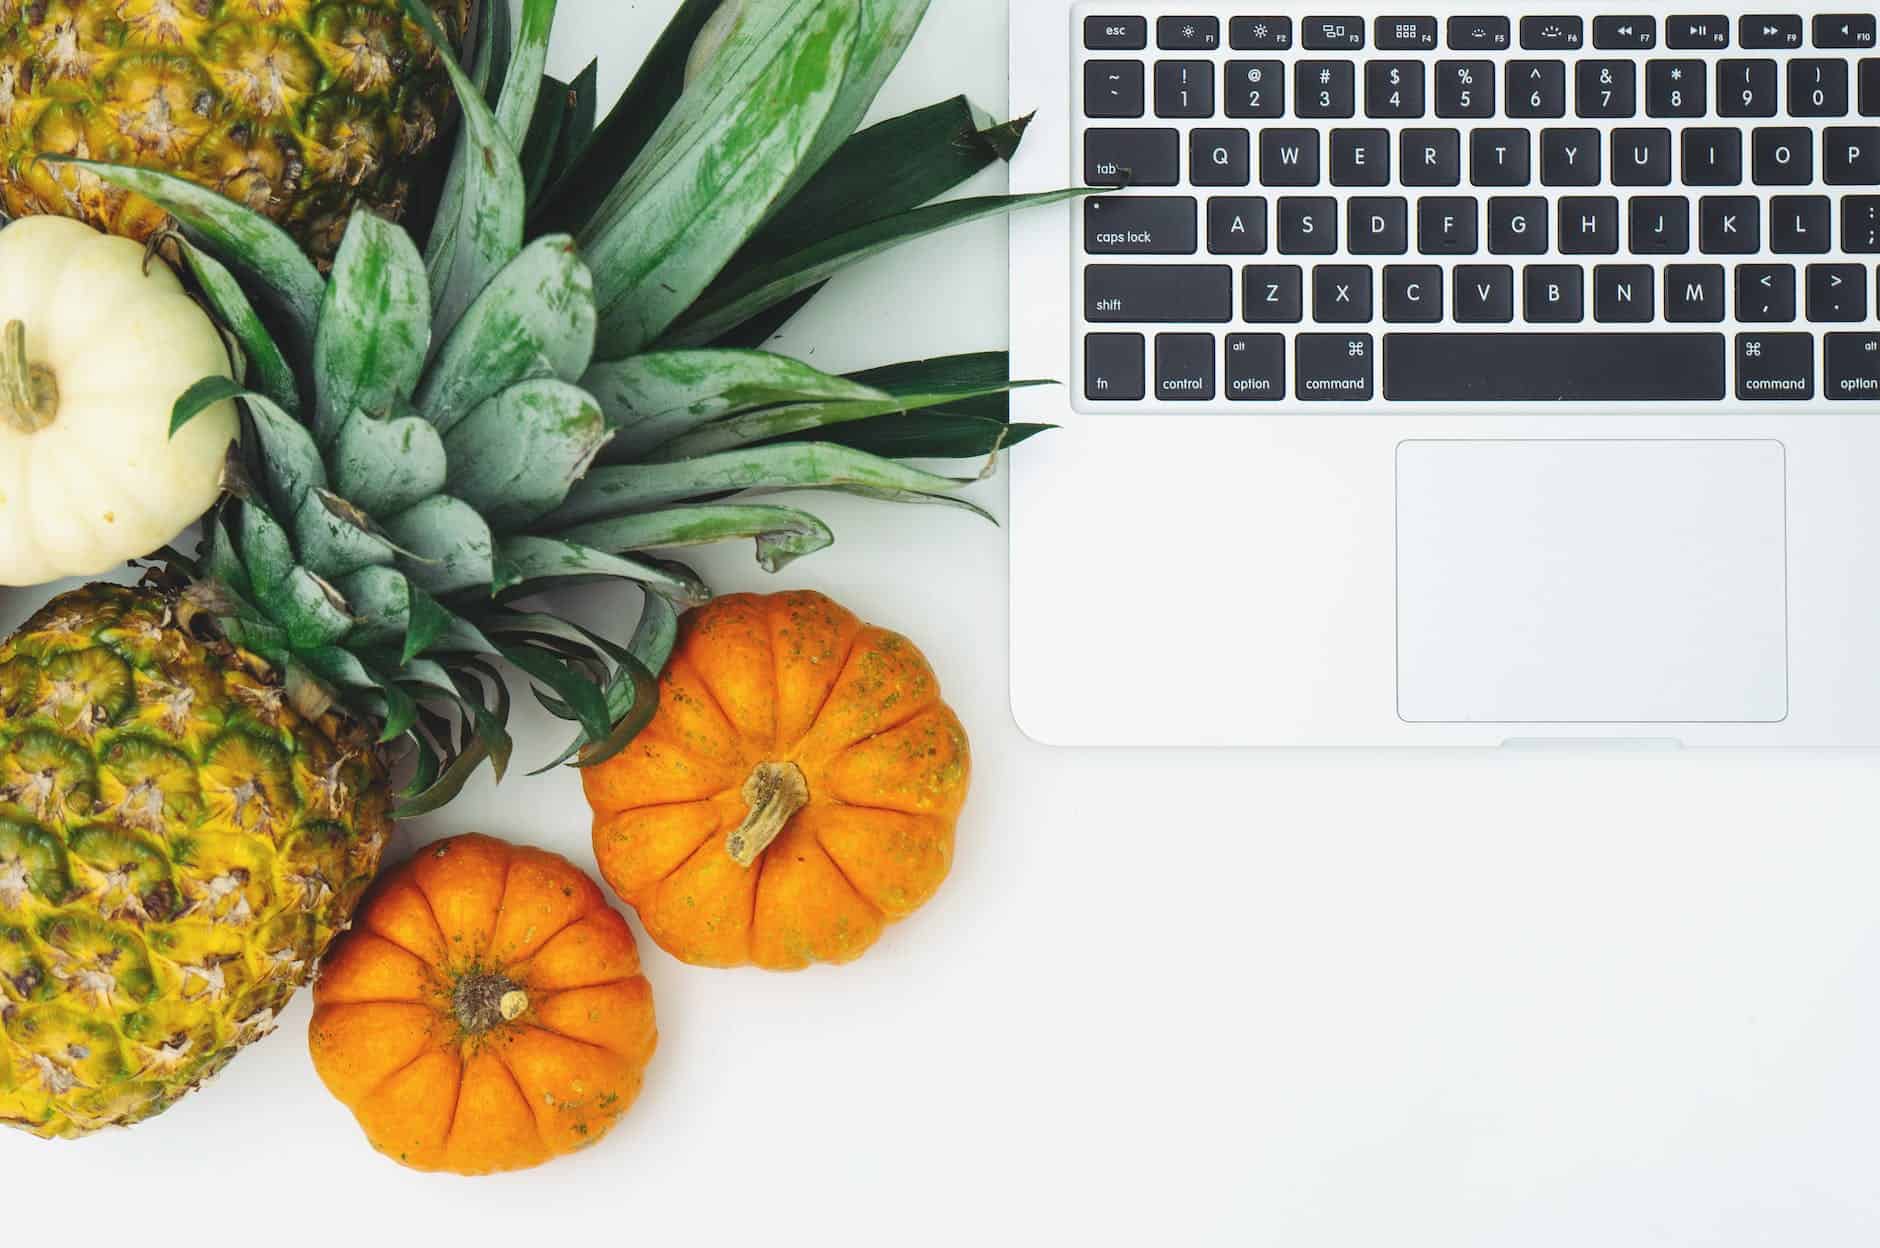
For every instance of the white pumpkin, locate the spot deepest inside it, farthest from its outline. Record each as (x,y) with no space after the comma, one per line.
(89,476)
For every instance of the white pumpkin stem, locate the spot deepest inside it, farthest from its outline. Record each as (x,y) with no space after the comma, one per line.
(775,792)
(29,393)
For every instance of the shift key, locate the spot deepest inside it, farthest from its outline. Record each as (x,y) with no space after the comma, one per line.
(1158,294)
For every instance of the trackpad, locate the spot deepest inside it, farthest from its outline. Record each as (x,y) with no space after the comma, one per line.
(1592,582)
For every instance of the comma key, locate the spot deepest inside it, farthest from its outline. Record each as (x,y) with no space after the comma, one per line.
(1853,366)
(1331,367)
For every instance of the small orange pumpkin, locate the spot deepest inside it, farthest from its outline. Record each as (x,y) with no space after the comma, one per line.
(796,791)
(487,1011)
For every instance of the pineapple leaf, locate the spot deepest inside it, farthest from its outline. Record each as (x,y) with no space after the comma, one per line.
(311,611)
(444,789)
(522,79)
(490,725)
(334,538)
(716,166)
(202,396)
(654,398)
(783,534)
(257,250)
(375,324)
(657,633)
(579,693)
(269,370)
(777,422)
(290,461)
(553,104)
(451,543)
(632,701)
(426,623)
(388,607)
(939,433)
(266,553)
(384,465)
(481,231)
(535,319)
(577,127)
(730,304)
(515,457)
(401,709)
(495,46)
(768,324)
(609,492)
(531,561)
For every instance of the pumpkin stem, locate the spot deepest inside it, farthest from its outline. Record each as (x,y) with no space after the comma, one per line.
(483,1000)
(775,792)
(29,393)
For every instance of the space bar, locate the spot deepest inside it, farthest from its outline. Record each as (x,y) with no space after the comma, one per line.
(1523,368)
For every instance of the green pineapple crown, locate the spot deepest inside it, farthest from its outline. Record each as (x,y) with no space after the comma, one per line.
(424,423)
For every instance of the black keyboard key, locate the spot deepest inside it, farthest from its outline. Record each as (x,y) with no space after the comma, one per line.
(1537,89)
(1331,367)
(1729,225)
(1405,34)
(1746,88)
(1484,294)
(1870,87)
(1260,34)
(1413,294)
(1661,225)
(1765,293)
(1675,88)
(1113,368)
(1713,157)
(1817,88)
(1603,367)
(1553,34)
(1184,368)
(1429,158)
(1256,367)
(1188,34)
(1184,88)
(1850,155)
(1853,366)
(1332,34)
(1307,225)
(1478,34)
(1625,34)
(1325,89)
(1844,30)
(1220,157)
(1800,224)
(1700,34)
(1782,156)
(1289,157)
(1139,225)
(1113,89)
(1517,225)
(1499,158)
(1589,225)
(1254,89)
(1377,225)
(1837,292)
(1132,158)
(1446,226)
(1465,88)
(1775,366)
(1275,294)
(1237,225)
(1860,224)
(1393,89)
(1605,89)
(1360,157)
(1116,34)
(1341,294)
(1570,157)
(1624,293)
(1769,30)
(1694,294)
(1158,293)
(1641,157)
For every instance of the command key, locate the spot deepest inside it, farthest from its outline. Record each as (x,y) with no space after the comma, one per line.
(1853,366)
(1333,366)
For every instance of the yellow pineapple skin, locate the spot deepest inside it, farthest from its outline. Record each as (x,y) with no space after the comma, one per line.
(177,848)
(299,109)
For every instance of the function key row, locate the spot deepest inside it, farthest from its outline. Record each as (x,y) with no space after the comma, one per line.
(1407,33)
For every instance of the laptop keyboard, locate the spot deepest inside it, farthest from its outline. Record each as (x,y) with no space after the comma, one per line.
(1426,207)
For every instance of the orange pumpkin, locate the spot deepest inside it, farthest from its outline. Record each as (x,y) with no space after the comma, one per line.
(486,1012)
(796,790)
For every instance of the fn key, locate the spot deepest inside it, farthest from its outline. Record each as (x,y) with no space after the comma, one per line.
(1113,368)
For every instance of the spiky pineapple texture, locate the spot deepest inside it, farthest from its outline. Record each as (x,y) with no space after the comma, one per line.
(177,847)
(296,108)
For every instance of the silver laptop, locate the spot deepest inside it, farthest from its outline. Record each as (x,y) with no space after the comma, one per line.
(1436,376)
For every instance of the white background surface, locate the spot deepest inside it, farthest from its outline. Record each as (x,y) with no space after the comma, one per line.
(1299,1000)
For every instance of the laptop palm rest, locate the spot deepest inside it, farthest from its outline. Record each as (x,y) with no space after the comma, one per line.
(1592,582)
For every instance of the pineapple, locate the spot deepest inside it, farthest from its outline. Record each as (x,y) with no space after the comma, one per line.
(298,109)
(196,775)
